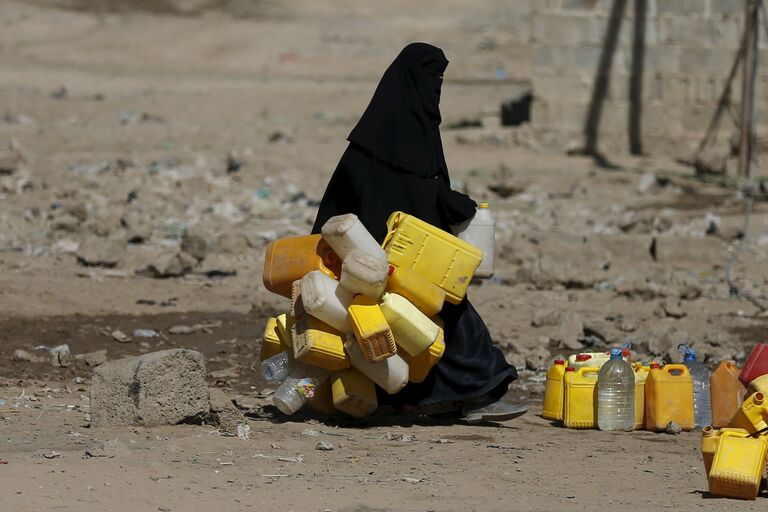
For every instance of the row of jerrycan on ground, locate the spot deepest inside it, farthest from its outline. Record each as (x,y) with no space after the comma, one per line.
(652,397)
(362,314)
(735,455)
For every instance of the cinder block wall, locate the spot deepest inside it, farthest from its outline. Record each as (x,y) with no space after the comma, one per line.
(687,50)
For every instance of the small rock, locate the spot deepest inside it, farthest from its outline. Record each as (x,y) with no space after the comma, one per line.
(225,415)
(673,428)
(169,265)
(22,356)
(325,446)
(673,308)
(569,331)
(106,450)
(537,359)
(51,455)
(120,336)
(96,358)
(310,433)
(100,252)
(60,356)
(195,246)
(545,317)
(646,183)
(137,227)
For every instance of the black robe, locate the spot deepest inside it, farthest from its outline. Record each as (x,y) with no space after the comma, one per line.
(395,162)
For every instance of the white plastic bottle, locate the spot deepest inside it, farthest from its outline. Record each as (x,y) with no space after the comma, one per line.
(702,404)
(480,231)
(326,300)
(345,233)
(616,394)
(391,374)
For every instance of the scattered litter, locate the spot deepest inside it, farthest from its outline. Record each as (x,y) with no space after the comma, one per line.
(59,354)
(411,480)
(403,438)
(120,336)
(191,329)
(227,463)
(145,333)
(243,431)
(2,402)
(441,440)
(310,433)
(673,428)
(156,478)
(265,475)
(297,459)
(51,455)
(2,461)
(325,446)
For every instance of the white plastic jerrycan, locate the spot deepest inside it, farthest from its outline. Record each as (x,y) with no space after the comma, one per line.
(480,231)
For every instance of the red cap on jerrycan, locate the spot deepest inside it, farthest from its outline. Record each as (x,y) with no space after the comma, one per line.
(583,357)
(655,366)
(570,369)
(559,362)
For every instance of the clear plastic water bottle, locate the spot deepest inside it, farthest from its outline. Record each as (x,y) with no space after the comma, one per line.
(616,394)
(300,386)
(276,368)
(700,373)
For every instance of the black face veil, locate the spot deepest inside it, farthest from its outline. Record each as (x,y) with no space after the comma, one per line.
(401,124)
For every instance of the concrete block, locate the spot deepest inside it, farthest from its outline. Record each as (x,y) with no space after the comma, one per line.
(681,250)
(224,414)
(733,7)
(684,7)
(159,388)
(662,59)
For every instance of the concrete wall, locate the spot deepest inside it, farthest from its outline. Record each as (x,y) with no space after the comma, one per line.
(688,49)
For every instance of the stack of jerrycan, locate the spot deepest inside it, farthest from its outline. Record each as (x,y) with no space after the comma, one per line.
(362,315)
(735,454)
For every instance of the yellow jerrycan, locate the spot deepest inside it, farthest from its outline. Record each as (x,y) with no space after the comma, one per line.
(289,259)
(283,326)
(413,331)
(270,343)
(371,329)
(553,392)
(353,393)
(669,397)
(422,293)
(322,402)
(641,375)
(318,344)
(752,415)
(738,465)
(588,359)
(759,384)
(579,403)
(710,437)
(434,254)
(420,365)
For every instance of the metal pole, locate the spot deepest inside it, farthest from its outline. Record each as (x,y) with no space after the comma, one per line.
(748,88)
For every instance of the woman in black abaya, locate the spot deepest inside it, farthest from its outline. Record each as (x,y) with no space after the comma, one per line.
(395,162)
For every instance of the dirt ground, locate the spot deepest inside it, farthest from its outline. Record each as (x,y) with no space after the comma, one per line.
(127,126)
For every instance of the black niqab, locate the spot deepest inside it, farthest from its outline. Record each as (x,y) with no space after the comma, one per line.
(401,124)
(395,162)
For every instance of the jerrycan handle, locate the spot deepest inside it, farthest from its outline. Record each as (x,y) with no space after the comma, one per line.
(588,370)
(678,369)
(392,222)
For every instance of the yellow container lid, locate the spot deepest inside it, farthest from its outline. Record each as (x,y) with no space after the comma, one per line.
(482,205)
